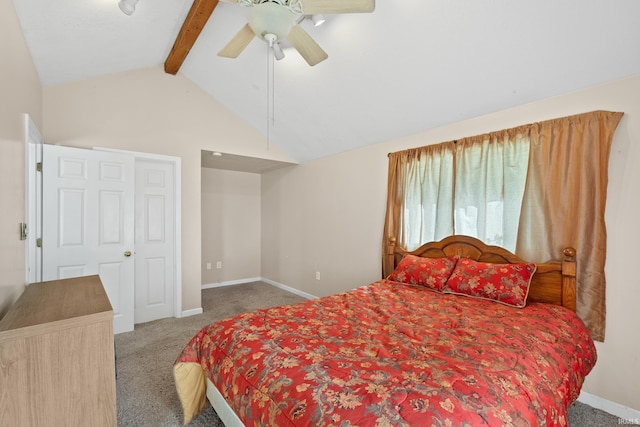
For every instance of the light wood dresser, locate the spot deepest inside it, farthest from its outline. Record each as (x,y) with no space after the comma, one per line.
(57,356)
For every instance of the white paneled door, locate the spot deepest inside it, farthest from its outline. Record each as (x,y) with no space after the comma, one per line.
(88,222)
(155,240)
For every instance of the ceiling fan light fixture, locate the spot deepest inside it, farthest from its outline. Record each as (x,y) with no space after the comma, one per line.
(318,20)
(127,6)
(278,53)
(271,19)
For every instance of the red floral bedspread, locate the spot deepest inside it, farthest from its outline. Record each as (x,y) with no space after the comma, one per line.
(391,354)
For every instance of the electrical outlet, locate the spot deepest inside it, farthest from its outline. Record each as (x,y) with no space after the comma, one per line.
(208,266)
(317,275)
(219,264)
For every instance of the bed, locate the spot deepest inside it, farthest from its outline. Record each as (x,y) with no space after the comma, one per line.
(456,333)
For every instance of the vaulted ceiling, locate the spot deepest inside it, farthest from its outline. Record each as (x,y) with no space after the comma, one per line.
(409,66)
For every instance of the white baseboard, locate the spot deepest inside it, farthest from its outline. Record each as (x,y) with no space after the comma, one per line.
(627,415)
(260,279)
(289,289)
(231,282)
(192,312)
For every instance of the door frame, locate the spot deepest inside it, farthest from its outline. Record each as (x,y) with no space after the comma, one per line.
(177,162)
(33,200)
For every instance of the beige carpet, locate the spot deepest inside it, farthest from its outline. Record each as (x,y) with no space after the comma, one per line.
(146,393)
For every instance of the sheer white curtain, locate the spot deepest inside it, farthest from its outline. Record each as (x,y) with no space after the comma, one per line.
(472,187)
(490,178)
(428,203)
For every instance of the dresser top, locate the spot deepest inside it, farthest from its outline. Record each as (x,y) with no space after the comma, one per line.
(57,301)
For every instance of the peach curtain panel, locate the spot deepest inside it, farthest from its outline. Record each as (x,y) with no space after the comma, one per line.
(563,203)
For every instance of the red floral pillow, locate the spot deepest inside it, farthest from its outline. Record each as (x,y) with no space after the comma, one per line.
(430,272)
(504,283)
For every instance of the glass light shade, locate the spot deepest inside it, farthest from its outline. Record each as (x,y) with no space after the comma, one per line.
(271,18)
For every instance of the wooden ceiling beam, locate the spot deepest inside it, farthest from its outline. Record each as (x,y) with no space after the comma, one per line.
(193,24)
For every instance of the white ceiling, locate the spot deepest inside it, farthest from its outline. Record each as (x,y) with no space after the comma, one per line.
(409,66)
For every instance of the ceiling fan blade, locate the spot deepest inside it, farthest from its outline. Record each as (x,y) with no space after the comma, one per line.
(238,43)
(306,46)
(314,7)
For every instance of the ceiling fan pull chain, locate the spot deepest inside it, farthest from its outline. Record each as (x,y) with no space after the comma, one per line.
(269,94)
(273,88)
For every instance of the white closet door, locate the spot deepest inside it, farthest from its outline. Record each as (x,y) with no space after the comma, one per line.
(88,222)
(155,240)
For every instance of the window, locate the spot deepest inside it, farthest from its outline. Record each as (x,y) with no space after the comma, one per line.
(533,190)
(473,188)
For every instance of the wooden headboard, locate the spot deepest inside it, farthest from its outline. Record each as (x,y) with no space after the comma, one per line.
(554,282)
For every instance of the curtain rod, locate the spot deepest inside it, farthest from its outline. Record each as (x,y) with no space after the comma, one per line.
(455,141)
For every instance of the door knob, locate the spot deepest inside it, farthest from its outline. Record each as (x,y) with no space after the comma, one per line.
(127,253)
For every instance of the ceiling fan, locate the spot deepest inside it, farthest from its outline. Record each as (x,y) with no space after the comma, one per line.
(201,10)
(278,20)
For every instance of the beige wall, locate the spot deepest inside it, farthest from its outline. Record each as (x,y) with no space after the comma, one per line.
(21,93)
(230,225)
(327,216)
(153,112)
